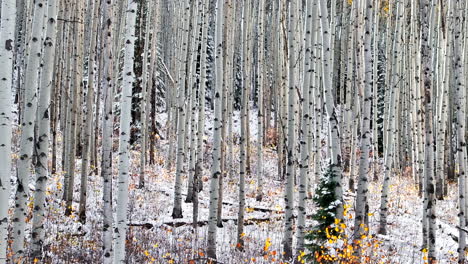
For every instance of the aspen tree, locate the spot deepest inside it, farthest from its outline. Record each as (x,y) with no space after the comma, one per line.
(390,139)
(311,8)
(33,67)
(89,115)
(290,169)
(42,140)
(201,113)
(427,11)
(75,110)
(261,83)
(335,153)
(216,169)
(243,128)
(181,109)
(144,94)
(124,145)
(107,126)
(460,125)
(366,85)
(7,36)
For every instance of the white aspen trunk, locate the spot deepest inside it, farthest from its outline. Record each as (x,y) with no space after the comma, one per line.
(335,151)
(243,121)
(181,112)
(216,169)
(260,119)
(305,125)
(290,169)
(390,139)
(77,87)
(427,12)
(33,67)
(365,71)
(191,121)
(107,128)
(7,37)
(201,114)
(120,229)
(460,106)
(375,76)
(144,95)
(42,141)
(314,159)
(88,129)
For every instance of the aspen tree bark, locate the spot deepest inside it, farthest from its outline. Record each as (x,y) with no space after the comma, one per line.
(216,169)
(191,94)
(261,81)
(43,137)
(193,84)
(77,85)
(120,229)
(7,37)
(305,124)
(290,169)
(181,110)
(144,94)
(335,152)
(201,113)
(88,129)
(33,67)
(243,128)
(442,116)
(365,52)
(460,125)
(427,79)
(390,139)
(375,76)
(107,127)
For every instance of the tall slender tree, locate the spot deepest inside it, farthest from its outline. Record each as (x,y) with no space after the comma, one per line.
(33,67)
(7,47)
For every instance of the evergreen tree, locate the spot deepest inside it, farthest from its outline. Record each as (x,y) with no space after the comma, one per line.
(326,203)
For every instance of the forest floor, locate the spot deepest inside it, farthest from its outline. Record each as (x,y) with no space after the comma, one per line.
(154,237)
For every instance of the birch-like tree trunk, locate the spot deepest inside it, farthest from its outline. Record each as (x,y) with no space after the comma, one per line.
(33,67)
(216,169)
(107,127)
(365,55)
(311,9)
(390,138)
(43,137)
(201,113)
(335,151)
(291,137)
(88,129)
(7,45)
(261,81)
(427,80)
(120,229)
(181,109)
(460,125)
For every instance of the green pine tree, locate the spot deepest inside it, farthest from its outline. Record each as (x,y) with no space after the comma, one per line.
(326,203)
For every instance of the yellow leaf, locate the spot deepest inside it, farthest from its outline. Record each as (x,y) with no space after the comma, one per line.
(146,253)
(267,244)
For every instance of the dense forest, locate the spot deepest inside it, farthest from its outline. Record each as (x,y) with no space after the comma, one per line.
(233,131)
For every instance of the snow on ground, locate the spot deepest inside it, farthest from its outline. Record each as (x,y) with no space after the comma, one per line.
(154,237)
